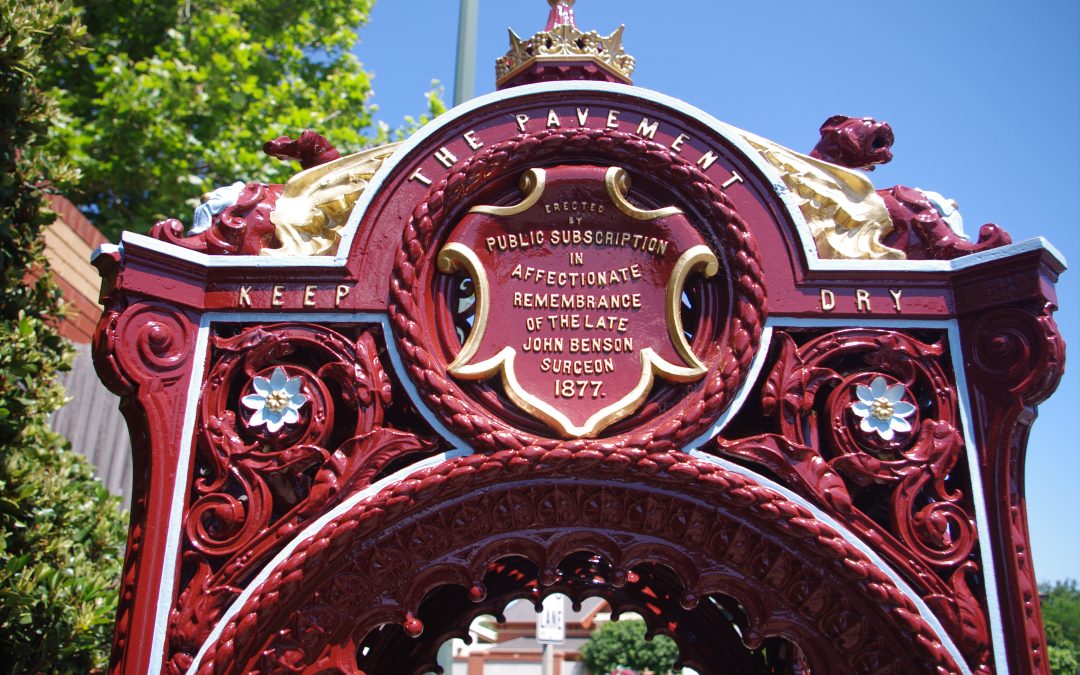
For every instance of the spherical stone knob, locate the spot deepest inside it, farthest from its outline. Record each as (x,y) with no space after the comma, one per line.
(413,626)
(477,592)
(688,601)
(549,576)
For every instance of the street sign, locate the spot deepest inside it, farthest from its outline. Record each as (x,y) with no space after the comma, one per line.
(550,622)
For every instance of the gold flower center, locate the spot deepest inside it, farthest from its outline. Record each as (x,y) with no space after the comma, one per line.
(277,401)
(881,408)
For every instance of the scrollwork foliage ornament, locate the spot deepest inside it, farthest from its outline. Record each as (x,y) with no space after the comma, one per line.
(290,422)
(142,343)
(869,429)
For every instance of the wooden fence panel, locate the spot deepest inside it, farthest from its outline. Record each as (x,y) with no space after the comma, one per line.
(94,425)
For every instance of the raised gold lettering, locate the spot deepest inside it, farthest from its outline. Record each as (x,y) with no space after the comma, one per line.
(445,157)
(545,345)
(579,301)
(646,130)
(420,178)
(309,295)
(828,300)
(245,299)
(342,291)
(605,345)
(278,297)
(474,142)
(896,298)
(576,367)
(707,160)
(735,178)
(862,300)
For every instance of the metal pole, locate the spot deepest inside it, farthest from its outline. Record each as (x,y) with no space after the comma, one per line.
(547,663)
(465,73)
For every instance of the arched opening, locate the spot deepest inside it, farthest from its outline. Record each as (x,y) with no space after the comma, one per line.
(714,631)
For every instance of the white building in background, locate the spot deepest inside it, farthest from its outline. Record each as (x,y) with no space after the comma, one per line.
(510,648)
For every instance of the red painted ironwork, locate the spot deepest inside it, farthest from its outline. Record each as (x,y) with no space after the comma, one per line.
(834,519)
(905,494)
(562,12)
(143,352)
(922,233)
(715,530)
(254,489)
(309,148)
(918,227)
(244,228)
(855,142)
(1017,358)
(573,296)
(241,229)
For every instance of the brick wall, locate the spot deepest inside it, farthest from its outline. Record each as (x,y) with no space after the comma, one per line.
(68,245)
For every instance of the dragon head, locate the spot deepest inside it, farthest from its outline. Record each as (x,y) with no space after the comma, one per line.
(854,142)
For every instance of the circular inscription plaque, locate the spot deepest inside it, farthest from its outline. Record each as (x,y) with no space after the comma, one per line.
(615,294)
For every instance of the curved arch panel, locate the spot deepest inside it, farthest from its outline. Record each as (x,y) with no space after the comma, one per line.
(717,531)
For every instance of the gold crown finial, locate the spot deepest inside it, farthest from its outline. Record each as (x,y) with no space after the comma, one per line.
(562,52)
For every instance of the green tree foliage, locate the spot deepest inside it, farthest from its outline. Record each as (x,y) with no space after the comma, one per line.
(173,98)
(622,644)
(60,531)
(61,553)
(1061,618)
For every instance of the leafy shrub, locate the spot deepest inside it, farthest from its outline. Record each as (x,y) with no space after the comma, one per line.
(60,530)
(60,534)
(1061,619)
(622,644)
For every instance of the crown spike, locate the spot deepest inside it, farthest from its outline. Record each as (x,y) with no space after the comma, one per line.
(563,52)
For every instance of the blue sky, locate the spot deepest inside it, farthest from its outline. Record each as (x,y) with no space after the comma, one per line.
(984,98)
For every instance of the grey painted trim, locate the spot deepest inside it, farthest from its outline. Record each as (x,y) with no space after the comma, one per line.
(170,559)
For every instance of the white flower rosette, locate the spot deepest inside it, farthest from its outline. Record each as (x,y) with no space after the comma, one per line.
(882,409)
(276,401)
